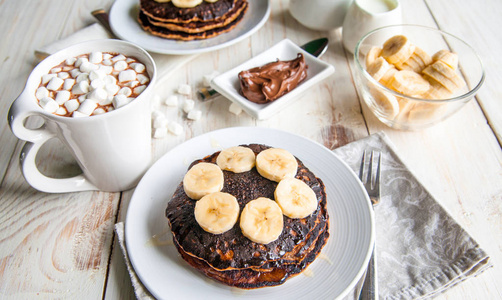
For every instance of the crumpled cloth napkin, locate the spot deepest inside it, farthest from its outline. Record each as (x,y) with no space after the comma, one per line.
(421,250)
(166,64)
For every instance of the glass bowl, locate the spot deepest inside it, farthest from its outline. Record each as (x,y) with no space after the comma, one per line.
(405,112)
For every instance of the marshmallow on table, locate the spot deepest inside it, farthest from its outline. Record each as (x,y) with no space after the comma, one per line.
(175,128)
(194,114)
(206,79)
(172,101)
(235,109)
(159,133)
(188,105)
(184,89)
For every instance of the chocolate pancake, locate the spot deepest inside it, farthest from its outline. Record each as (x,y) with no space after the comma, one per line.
(231,250)
(185,36)
(167,12)
(201,26)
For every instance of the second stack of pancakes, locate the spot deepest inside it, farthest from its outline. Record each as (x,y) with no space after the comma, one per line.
(203,21)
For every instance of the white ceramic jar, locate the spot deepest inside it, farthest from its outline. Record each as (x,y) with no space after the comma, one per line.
(319,14)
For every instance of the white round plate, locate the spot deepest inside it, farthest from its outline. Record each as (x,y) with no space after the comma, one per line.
(331,276)
(124,23)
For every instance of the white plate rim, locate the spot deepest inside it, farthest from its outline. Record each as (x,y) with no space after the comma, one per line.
(221,83)
(211,141)
(126,27)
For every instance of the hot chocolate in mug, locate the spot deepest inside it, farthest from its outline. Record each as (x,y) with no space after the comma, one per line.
(113,148)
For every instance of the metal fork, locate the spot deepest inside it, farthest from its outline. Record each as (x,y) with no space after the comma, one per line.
(372,185)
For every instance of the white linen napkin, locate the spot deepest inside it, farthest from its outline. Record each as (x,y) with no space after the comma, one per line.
(166,64)
(421,250)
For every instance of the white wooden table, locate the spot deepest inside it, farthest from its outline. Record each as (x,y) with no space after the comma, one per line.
(63,245)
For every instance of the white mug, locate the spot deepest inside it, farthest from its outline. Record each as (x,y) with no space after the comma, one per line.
(112,149)
(364,16)
(319,14)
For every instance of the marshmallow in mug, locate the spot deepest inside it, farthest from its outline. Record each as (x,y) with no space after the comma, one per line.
(91,84)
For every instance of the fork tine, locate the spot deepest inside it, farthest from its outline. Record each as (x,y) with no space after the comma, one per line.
(361,168)
(370,171)
(377,177)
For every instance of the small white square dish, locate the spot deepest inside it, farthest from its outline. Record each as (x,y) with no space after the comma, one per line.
(228,84)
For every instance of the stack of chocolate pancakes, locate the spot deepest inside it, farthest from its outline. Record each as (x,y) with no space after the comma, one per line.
(235,260)
(203,21)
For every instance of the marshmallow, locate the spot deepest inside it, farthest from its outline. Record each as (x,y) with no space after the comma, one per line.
(87,67)
(61,111)
(63,75)
(41,92)
(130,60)
(120,100)
(97,83)
(107,62)
(172,101)
(159,133)
(80,61)
(75,72)
(99,111)
(157,114)
(47,77)
(87,107)
(106,69)
(139,89)
(138,67)
(155,102)
(112,88)
(235,109)
(97,74)
(107,56)
(127,75)
(82,77)
(55,84)
(99,94)
(142,78)
(77,114)
(70,61)
(175,128)
(206,79)
(80,88)
(188,105)
(48,104)
(125,91)
(62,97)
(160,122)
(82,98)
(110,79)
(132,84)
(118,57)
(121,65)
(68,83)
(56,70)
(107,101)
(194,114)
(96,57)
(184,89)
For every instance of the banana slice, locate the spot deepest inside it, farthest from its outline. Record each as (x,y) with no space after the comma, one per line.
(217,212)
(186,3)
(261,220)
(387,103)
(202,179)
(409,83)
(378,68)
(296,199)
(162,1)
(417,61)
(447,57)
(397,49)
(276,164)
(436,91)
(211,1)
(386,78)
(372,55)
(444,75)
(236,159)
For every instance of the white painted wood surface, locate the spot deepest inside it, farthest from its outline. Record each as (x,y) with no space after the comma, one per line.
(63,246)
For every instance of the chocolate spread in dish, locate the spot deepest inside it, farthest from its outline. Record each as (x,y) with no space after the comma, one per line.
(267,83)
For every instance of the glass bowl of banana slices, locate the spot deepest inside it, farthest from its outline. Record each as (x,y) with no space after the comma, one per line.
(412,77)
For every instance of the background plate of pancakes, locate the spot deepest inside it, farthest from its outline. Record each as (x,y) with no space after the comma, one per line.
(331,276)
(125,25)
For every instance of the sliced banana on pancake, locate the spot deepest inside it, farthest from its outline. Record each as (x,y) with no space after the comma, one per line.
(186,3)
(236,159)
(276,164)
(397,49)
(217,212)
(296,199)
(262,220)
(202,179)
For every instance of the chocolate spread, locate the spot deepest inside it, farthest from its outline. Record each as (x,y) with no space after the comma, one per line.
(267,83)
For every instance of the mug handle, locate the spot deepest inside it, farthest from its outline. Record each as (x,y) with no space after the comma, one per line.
(18,113)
